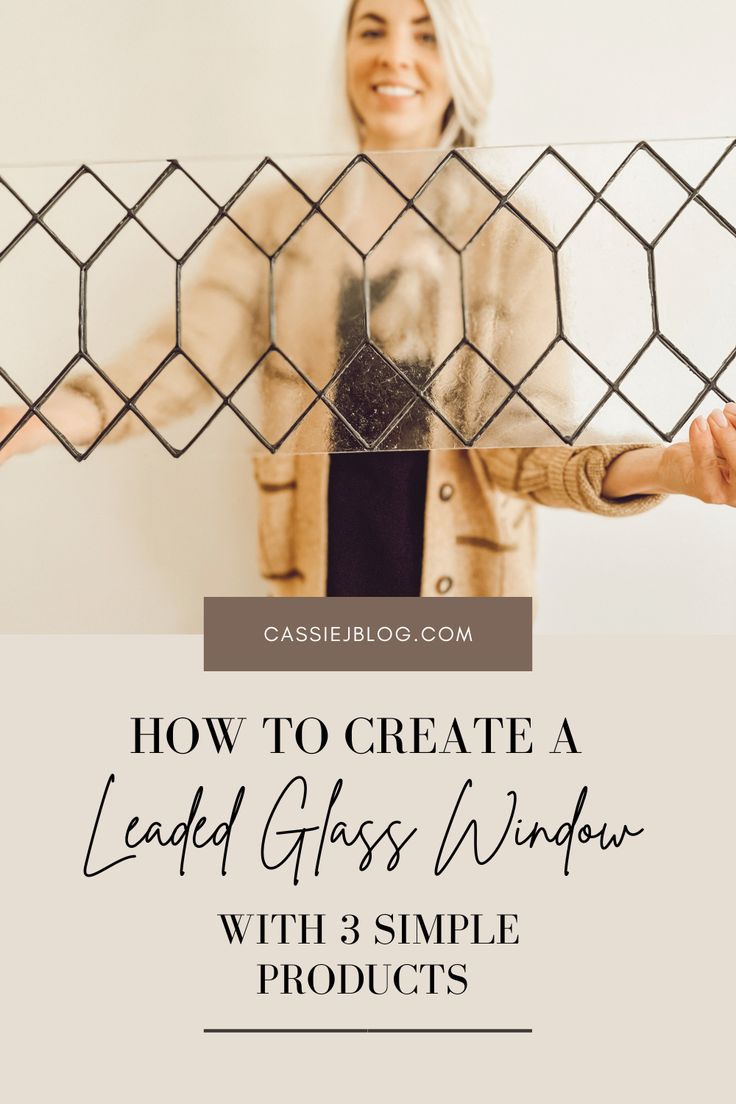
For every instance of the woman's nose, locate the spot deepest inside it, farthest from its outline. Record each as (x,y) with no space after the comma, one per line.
(396,52)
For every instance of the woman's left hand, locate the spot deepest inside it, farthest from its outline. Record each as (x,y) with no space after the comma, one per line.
(702,468)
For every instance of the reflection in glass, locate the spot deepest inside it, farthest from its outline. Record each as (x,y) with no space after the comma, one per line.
(510,295)
(468,392)
(414,293)
(456,203)
(178,378)
(363,206)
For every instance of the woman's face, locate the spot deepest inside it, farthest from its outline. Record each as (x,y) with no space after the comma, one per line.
(396,79)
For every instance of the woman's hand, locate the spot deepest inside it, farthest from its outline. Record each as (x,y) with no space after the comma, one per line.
(70,411)
(29,437)
(704,468)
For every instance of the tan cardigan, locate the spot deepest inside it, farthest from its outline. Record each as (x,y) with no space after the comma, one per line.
(479,524)
(479,527)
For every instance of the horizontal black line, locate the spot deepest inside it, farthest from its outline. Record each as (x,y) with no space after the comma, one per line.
(367,1030)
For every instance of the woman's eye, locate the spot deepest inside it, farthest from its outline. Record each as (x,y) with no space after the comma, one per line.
(370,34)
(428,38)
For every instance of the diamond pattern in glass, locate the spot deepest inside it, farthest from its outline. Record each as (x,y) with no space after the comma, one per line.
(645,194)
(84,216)
(177,213)
(269,209)
(254,398)
(468,392)
(552,198)
(612,315)
(363,205)
(456,203)
(564,389)
(663,385)
(370,394)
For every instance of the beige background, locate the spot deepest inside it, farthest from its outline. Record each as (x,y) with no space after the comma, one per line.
(91,547)
(624,969)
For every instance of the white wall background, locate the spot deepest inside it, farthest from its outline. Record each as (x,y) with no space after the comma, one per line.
(132,540)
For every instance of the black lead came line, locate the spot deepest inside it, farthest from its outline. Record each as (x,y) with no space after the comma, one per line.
(367,1030)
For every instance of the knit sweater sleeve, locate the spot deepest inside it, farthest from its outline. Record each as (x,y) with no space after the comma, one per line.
(563,477)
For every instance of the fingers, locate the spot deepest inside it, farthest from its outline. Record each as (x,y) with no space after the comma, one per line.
(710,485)
(724,434)
(722,425)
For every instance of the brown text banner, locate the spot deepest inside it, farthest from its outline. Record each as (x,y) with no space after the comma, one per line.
(367,634)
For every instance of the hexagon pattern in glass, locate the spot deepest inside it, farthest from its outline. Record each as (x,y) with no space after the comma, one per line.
(437,299)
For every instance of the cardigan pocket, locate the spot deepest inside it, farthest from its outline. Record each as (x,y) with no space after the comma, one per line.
(276,517)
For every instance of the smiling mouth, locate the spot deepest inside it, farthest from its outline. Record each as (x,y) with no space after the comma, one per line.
(395,91)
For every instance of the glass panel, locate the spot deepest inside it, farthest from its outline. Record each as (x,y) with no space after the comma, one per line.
(414,296)
(84,216)
(517,422)
(597,163)
(16,409)
(273,420)
(468,392)
(604,287)
(437,299)
(225,305)
(370,395)
(412,431)
(662,385)
(456,203)
(363,205)
(564,389)
(408,171)
(38,185)
(695,264)
(83,378)
(618,423)
(645,194)
(222,180)
(720,188)
(130,181)
(503,168)
(314,433)
(177,213)
(510,295)
(316,175)
(179,382)
(552,198)
(727,382)
(13,217)
(130,287)
(39,286)
(318,281)
(693,161)
(269,209)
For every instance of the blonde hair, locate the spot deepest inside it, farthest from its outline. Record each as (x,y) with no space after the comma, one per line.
(465,54)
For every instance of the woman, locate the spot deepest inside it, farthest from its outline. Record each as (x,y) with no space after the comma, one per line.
(457,522)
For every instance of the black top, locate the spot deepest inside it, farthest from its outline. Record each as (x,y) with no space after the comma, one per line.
(376,500)
(375,515)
